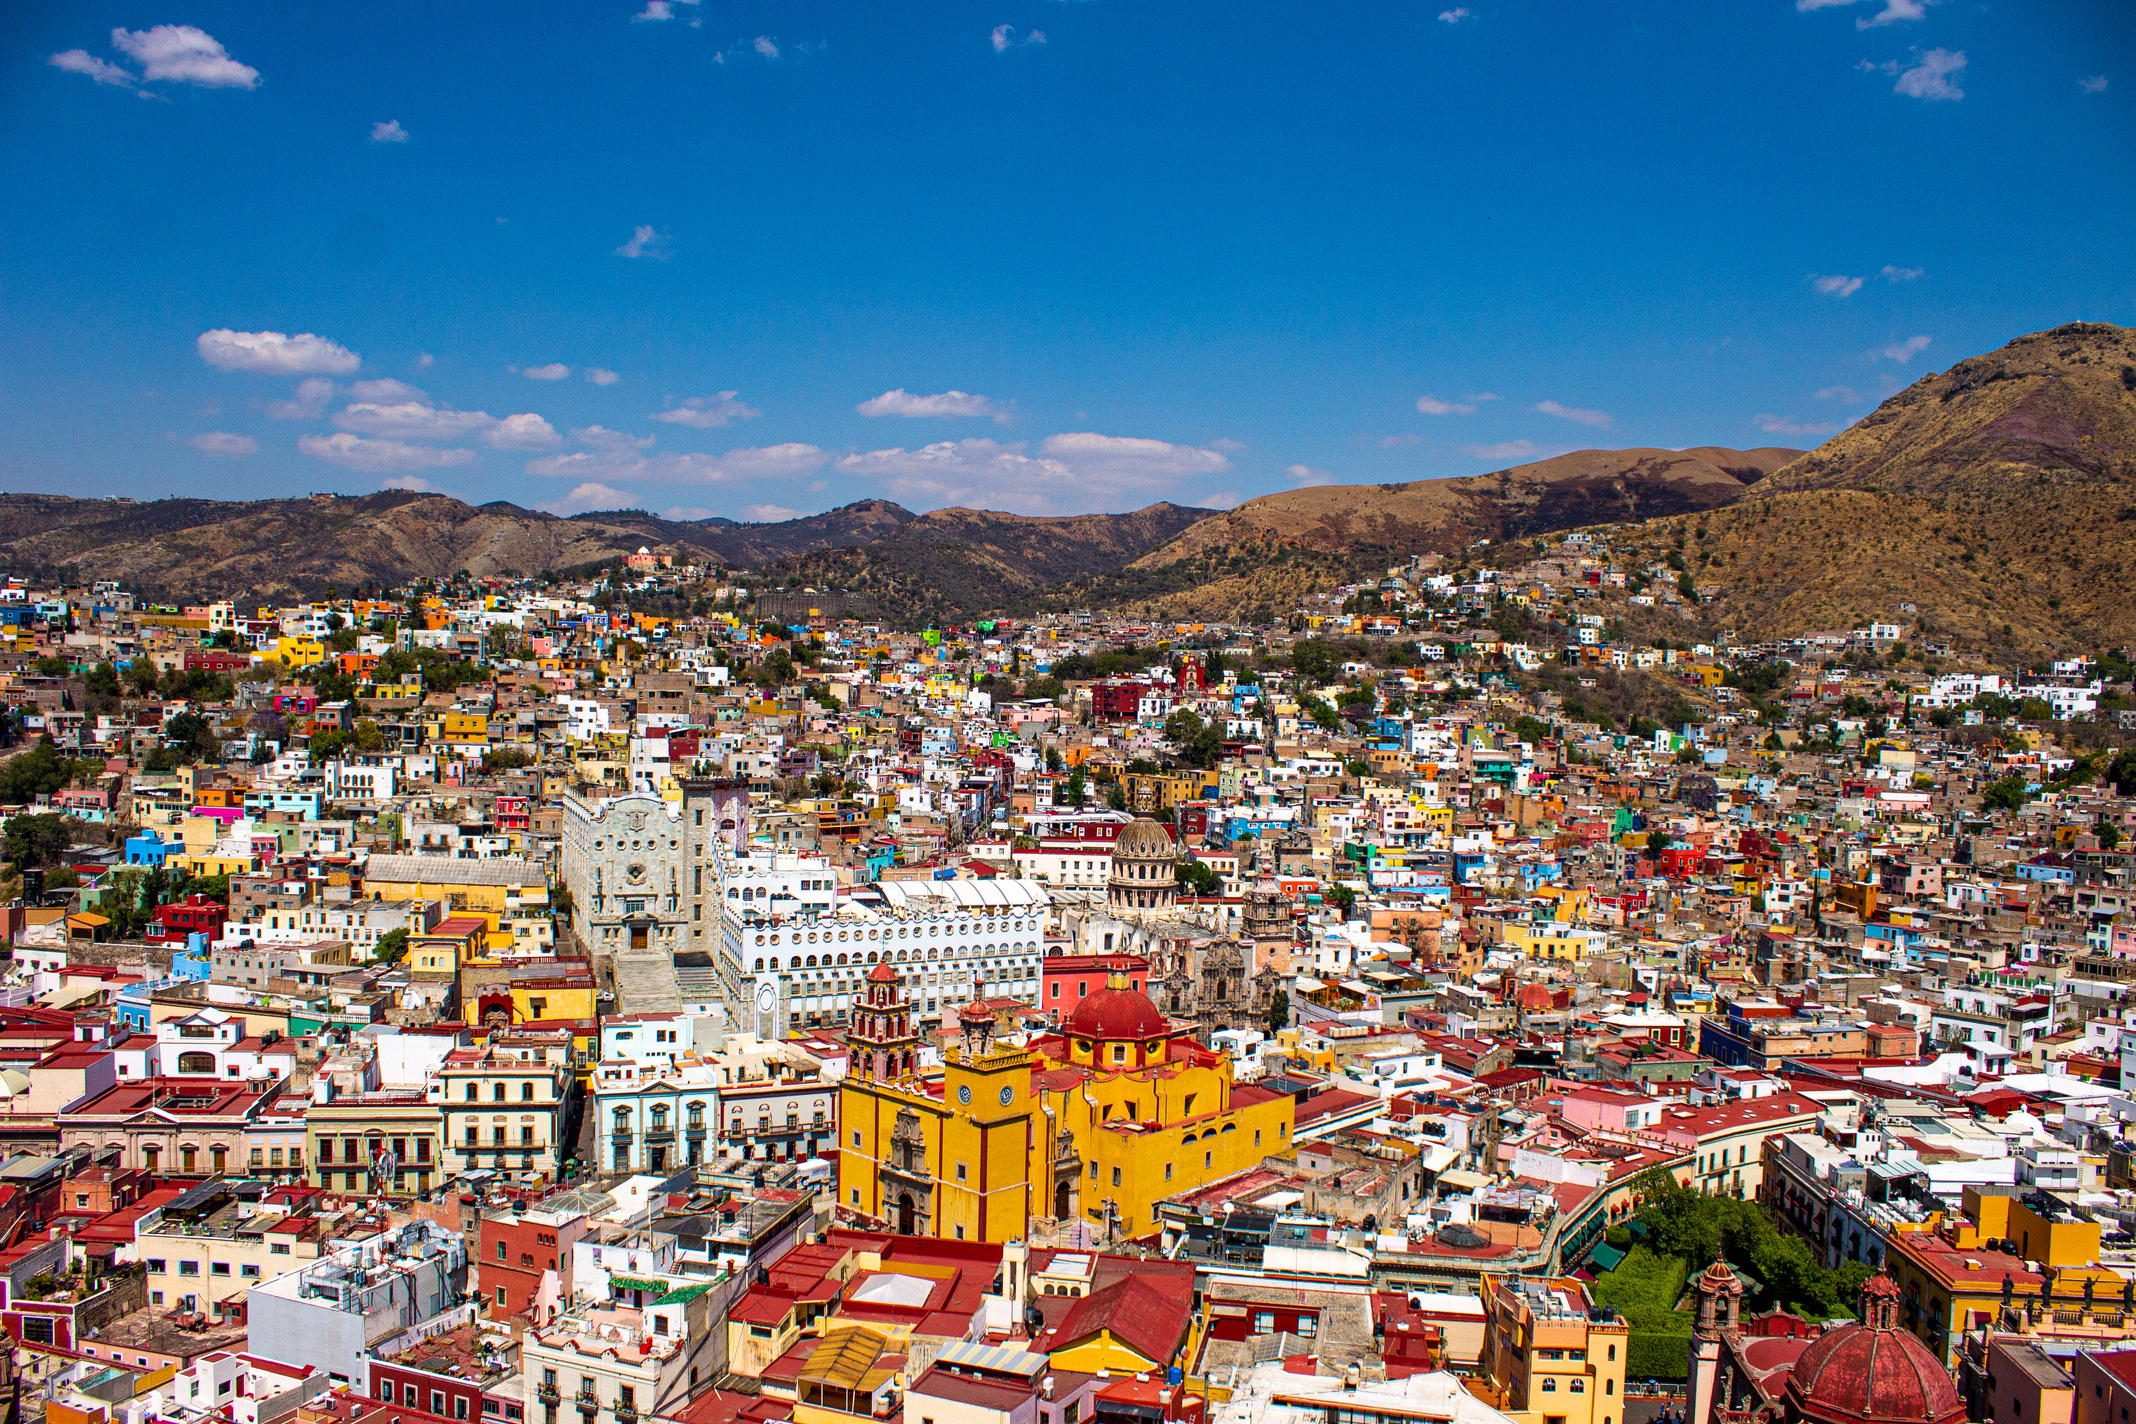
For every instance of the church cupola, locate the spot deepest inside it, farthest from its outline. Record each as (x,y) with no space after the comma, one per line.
(881,1039)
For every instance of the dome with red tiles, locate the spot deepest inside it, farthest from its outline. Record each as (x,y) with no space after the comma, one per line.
(1116,1012)
(1872,1372)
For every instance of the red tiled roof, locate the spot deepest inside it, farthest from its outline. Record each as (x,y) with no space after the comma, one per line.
(1147,1318)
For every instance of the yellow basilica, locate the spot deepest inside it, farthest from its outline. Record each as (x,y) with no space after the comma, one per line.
(1101,1119)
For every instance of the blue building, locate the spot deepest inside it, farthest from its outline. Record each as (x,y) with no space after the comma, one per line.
(147,849)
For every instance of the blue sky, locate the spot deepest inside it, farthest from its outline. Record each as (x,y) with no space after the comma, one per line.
(1052,257)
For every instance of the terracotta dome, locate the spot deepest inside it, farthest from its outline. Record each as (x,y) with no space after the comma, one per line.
(1114,1013)
(1872,1372)
(882,974)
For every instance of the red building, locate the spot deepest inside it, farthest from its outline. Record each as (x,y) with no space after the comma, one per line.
(1067,979)
(516,1248)
(1118,701)
(196,914)
(512,814)
(215,660)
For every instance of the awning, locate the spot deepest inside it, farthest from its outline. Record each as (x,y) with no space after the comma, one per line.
(1465,1181)
(1605,1257)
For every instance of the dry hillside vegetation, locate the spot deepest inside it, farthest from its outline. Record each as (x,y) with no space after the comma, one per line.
(1373,524)
(296,548)
(1998,495)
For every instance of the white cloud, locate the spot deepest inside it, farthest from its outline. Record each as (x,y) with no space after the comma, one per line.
(424,360)
(522,432)
(601,377)
(686,512)
(1836,286)
(1131,460)
(388,131)
(80,61)
(1071,472)
(1783,425)
(1306,475)
(383,389)
(1894,12)
(645,241)
(709,412)
(310,402)
(1504,450)
(1904,351)
(768,513)
(1454,16)
(554,371)
(1399,439)
(414,483)
(412,420)
(613,455)
(655,10)
(1222,499)
(945,404)
(1903,274)
(600,437)
(1432,405)
(2090,83)
(270,353)
(766,46)
(587,497)
(1931,78)
(1599,419)
(1479,397)
(1004,38)
(1844,394)
(1805,6)
(377,457)
(184,55)
(1001,38)
(221,443)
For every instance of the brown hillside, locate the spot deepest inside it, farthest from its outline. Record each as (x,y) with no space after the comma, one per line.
(956,563)
(1443,516)
(290,548)
(1998,494)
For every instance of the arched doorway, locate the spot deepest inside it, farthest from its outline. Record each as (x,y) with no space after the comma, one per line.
(904,1213)
(1060,1200)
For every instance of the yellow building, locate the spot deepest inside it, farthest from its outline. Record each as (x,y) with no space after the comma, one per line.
(293,652)
(382,1144)
(2052,1271)
(512,895)
(1105,1120)
(1545,1355)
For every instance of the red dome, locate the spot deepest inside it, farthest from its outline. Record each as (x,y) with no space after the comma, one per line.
(882,974)
(1860,1374)
(1116,1014)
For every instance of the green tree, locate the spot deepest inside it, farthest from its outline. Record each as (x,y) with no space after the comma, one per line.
(1074,790)
(2006,794)
(1278,1012)
(2108,833)
(104,680)
(1195,878)
(392,946)
(1342,897)
(190,733)
(38,839)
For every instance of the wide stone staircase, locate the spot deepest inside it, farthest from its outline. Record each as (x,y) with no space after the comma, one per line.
(645,983)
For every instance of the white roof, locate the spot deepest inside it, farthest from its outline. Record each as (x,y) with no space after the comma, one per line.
(963,894)
(895,1290)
